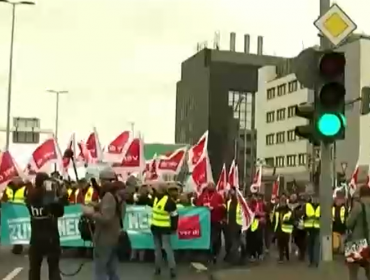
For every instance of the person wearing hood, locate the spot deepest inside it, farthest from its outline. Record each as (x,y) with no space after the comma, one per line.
(283,228)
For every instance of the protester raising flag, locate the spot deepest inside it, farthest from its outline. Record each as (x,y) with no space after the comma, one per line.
(222,180)
(275,190)
(197,151)
(247,214)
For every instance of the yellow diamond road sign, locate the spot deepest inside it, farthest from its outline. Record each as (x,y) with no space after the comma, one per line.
(335,25)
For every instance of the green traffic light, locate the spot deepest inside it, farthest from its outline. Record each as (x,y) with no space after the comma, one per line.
(330,124)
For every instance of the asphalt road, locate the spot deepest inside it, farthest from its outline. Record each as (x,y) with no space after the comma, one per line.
(16,267)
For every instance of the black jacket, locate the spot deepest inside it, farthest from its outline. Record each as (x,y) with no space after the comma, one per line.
(44,219)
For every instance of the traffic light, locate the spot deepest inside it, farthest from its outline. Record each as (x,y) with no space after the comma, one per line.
(330,120)
(306,111)
(365,101)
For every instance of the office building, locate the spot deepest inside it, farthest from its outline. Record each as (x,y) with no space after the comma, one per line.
(217,93)
(279,92)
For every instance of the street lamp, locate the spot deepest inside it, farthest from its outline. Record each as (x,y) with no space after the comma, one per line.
(9,102)
(57,92)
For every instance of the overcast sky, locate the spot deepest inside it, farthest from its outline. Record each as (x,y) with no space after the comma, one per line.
(120,59)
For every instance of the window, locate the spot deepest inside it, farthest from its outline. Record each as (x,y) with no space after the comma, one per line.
(290,160)
(302,159)
(270,117)
(270,139)
(291,111)
(281,90)
(279,161)
(291,135)
(280,114)
(293,86)
(280,137)
(271,93)
(269,161)
(22,137)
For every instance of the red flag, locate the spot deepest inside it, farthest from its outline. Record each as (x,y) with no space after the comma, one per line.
(43,156)
(172,163)
(151,172)
(93,146)
(8,169)
(116,150)
(275,190)
(257,180)
(354,180)
(247,214)
(202,173)
(71,147)
(84,154)
(222,180)
(231,178)
(197,151)
(133,160)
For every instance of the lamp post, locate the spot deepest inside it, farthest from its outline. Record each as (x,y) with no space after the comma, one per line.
(9,102)
(57,92)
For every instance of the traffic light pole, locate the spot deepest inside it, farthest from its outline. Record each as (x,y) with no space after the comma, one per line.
(325,177)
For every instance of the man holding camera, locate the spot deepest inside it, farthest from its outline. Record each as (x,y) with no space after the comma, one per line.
(45,205)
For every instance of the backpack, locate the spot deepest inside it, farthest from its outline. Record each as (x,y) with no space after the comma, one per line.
(86,226)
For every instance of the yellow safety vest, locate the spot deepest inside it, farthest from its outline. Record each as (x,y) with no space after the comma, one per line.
(17,196)
(88,195)
(310,216)
(342,214)
(160,217)
(254,225)
(69,192)
(285,226)
(239,219)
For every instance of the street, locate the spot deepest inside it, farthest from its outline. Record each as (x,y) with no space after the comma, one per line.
(16,267)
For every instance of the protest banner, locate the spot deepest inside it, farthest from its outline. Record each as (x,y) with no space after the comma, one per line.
(193,227)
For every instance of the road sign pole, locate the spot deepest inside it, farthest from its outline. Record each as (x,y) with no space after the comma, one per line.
(325,176)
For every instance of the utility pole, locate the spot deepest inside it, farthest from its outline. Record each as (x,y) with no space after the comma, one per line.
(10,75)
(325,189)
(57,92)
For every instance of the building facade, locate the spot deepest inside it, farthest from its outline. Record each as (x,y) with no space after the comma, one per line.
(217,93)
(275,120)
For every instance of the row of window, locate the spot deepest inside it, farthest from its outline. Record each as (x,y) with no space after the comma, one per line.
(280,114)
(289,160)
(21,137)
(280,137)
(281,90)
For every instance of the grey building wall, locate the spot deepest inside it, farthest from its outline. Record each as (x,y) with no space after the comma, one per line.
(206,79)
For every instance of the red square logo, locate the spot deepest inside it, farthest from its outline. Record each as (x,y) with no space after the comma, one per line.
(188,227)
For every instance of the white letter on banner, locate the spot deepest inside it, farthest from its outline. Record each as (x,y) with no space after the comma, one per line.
(133,222)
(70,225)
(61,227)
